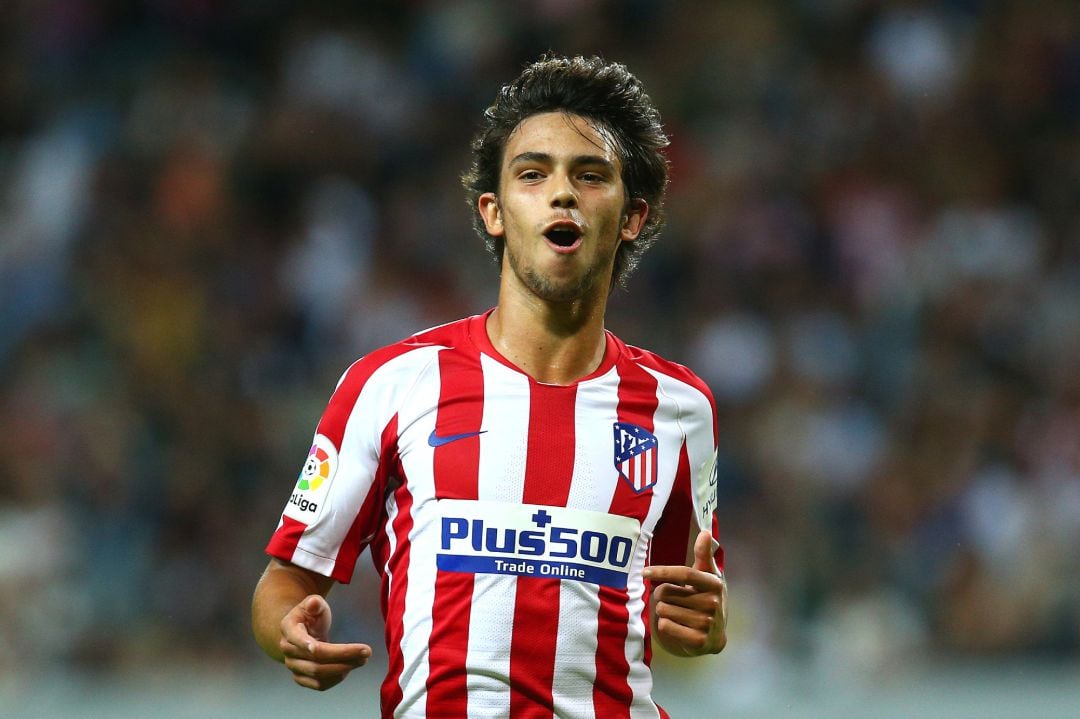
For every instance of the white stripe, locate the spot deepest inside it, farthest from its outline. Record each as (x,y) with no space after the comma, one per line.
(575,647)
(502,479)
(650,455)
(640,679)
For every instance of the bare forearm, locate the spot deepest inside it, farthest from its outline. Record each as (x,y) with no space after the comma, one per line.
(278,591)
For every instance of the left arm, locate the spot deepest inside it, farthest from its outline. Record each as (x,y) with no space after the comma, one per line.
(688,604)
(688,601)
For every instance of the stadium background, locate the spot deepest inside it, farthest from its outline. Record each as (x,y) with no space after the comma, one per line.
(873,256)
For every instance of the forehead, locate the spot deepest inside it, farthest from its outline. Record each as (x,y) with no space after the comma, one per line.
(560,134)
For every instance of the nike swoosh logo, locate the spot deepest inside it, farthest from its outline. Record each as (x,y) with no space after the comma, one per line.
(436,440)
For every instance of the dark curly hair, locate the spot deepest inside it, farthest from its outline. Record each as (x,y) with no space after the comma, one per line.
(605,93)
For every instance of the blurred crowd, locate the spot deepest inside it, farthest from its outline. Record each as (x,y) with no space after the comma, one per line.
(208,210)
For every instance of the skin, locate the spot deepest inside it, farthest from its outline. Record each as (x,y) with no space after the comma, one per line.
(558,170)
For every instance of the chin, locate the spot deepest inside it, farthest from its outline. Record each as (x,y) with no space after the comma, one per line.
(569,290)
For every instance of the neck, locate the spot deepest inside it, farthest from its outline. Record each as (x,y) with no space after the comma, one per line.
(554,343)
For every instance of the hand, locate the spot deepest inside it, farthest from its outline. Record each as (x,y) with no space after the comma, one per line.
(316,663)
(689,604)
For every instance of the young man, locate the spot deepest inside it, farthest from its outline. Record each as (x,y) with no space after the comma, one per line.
(537,496)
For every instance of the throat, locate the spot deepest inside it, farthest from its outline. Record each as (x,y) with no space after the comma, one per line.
(547,354)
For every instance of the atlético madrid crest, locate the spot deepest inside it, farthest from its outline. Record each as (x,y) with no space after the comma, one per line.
(635,455)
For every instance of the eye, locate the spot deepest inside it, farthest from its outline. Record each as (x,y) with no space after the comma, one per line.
(592,177)
(530,175)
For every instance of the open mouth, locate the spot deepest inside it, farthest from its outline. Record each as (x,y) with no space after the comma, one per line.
(565,236)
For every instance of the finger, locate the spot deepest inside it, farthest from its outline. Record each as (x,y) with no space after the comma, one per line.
(687,596)
(307,622)
(307,682)
(670,590)
(692,639)
(706,603)
(354,655)
(686,576)
(319,684)
(317,615)
(314,605)
(317,670)
(703,552)
(295,638)
(695,619)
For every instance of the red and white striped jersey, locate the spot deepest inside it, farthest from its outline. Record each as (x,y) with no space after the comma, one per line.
(509,520)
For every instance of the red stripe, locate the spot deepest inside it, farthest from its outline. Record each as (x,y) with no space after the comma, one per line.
(456,468)
(673,529)
(380,544)
(283,544)
(395,604)
(612,695)
(549,467)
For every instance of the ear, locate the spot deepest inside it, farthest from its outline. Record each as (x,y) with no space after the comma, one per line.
(490,213)
(637,211)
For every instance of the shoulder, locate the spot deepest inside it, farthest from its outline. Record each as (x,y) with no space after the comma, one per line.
(373,387)
(688,397)
(416,349)
(669,373)
(394,367)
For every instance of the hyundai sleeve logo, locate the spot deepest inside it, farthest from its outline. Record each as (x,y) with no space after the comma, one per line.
(437,440)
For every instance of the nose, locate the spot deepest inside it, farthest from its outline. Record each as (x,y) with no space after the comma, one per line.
(562,193)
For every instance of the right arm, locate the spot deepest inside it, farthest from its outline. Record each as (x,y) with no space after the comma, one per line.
(291,622)
(336,501)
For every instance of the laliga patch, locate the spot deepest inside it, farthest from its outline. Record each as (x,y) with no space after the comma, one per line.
(635,455)
(529,540)
(314,480)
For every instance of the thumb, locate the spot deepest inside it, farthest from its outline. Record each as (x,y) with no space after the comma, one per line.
(314,606)
(316,612)
(703,551)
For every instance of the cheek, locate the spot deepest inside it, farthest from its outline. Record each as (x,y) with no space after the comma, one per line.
(514,218)
(613,225)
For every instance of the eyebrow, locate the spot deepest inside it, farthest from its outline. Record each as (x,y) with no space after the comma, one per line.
(545,158)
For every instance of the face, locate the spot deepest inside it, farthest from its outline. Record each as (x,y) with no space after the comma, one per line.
(561,209)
